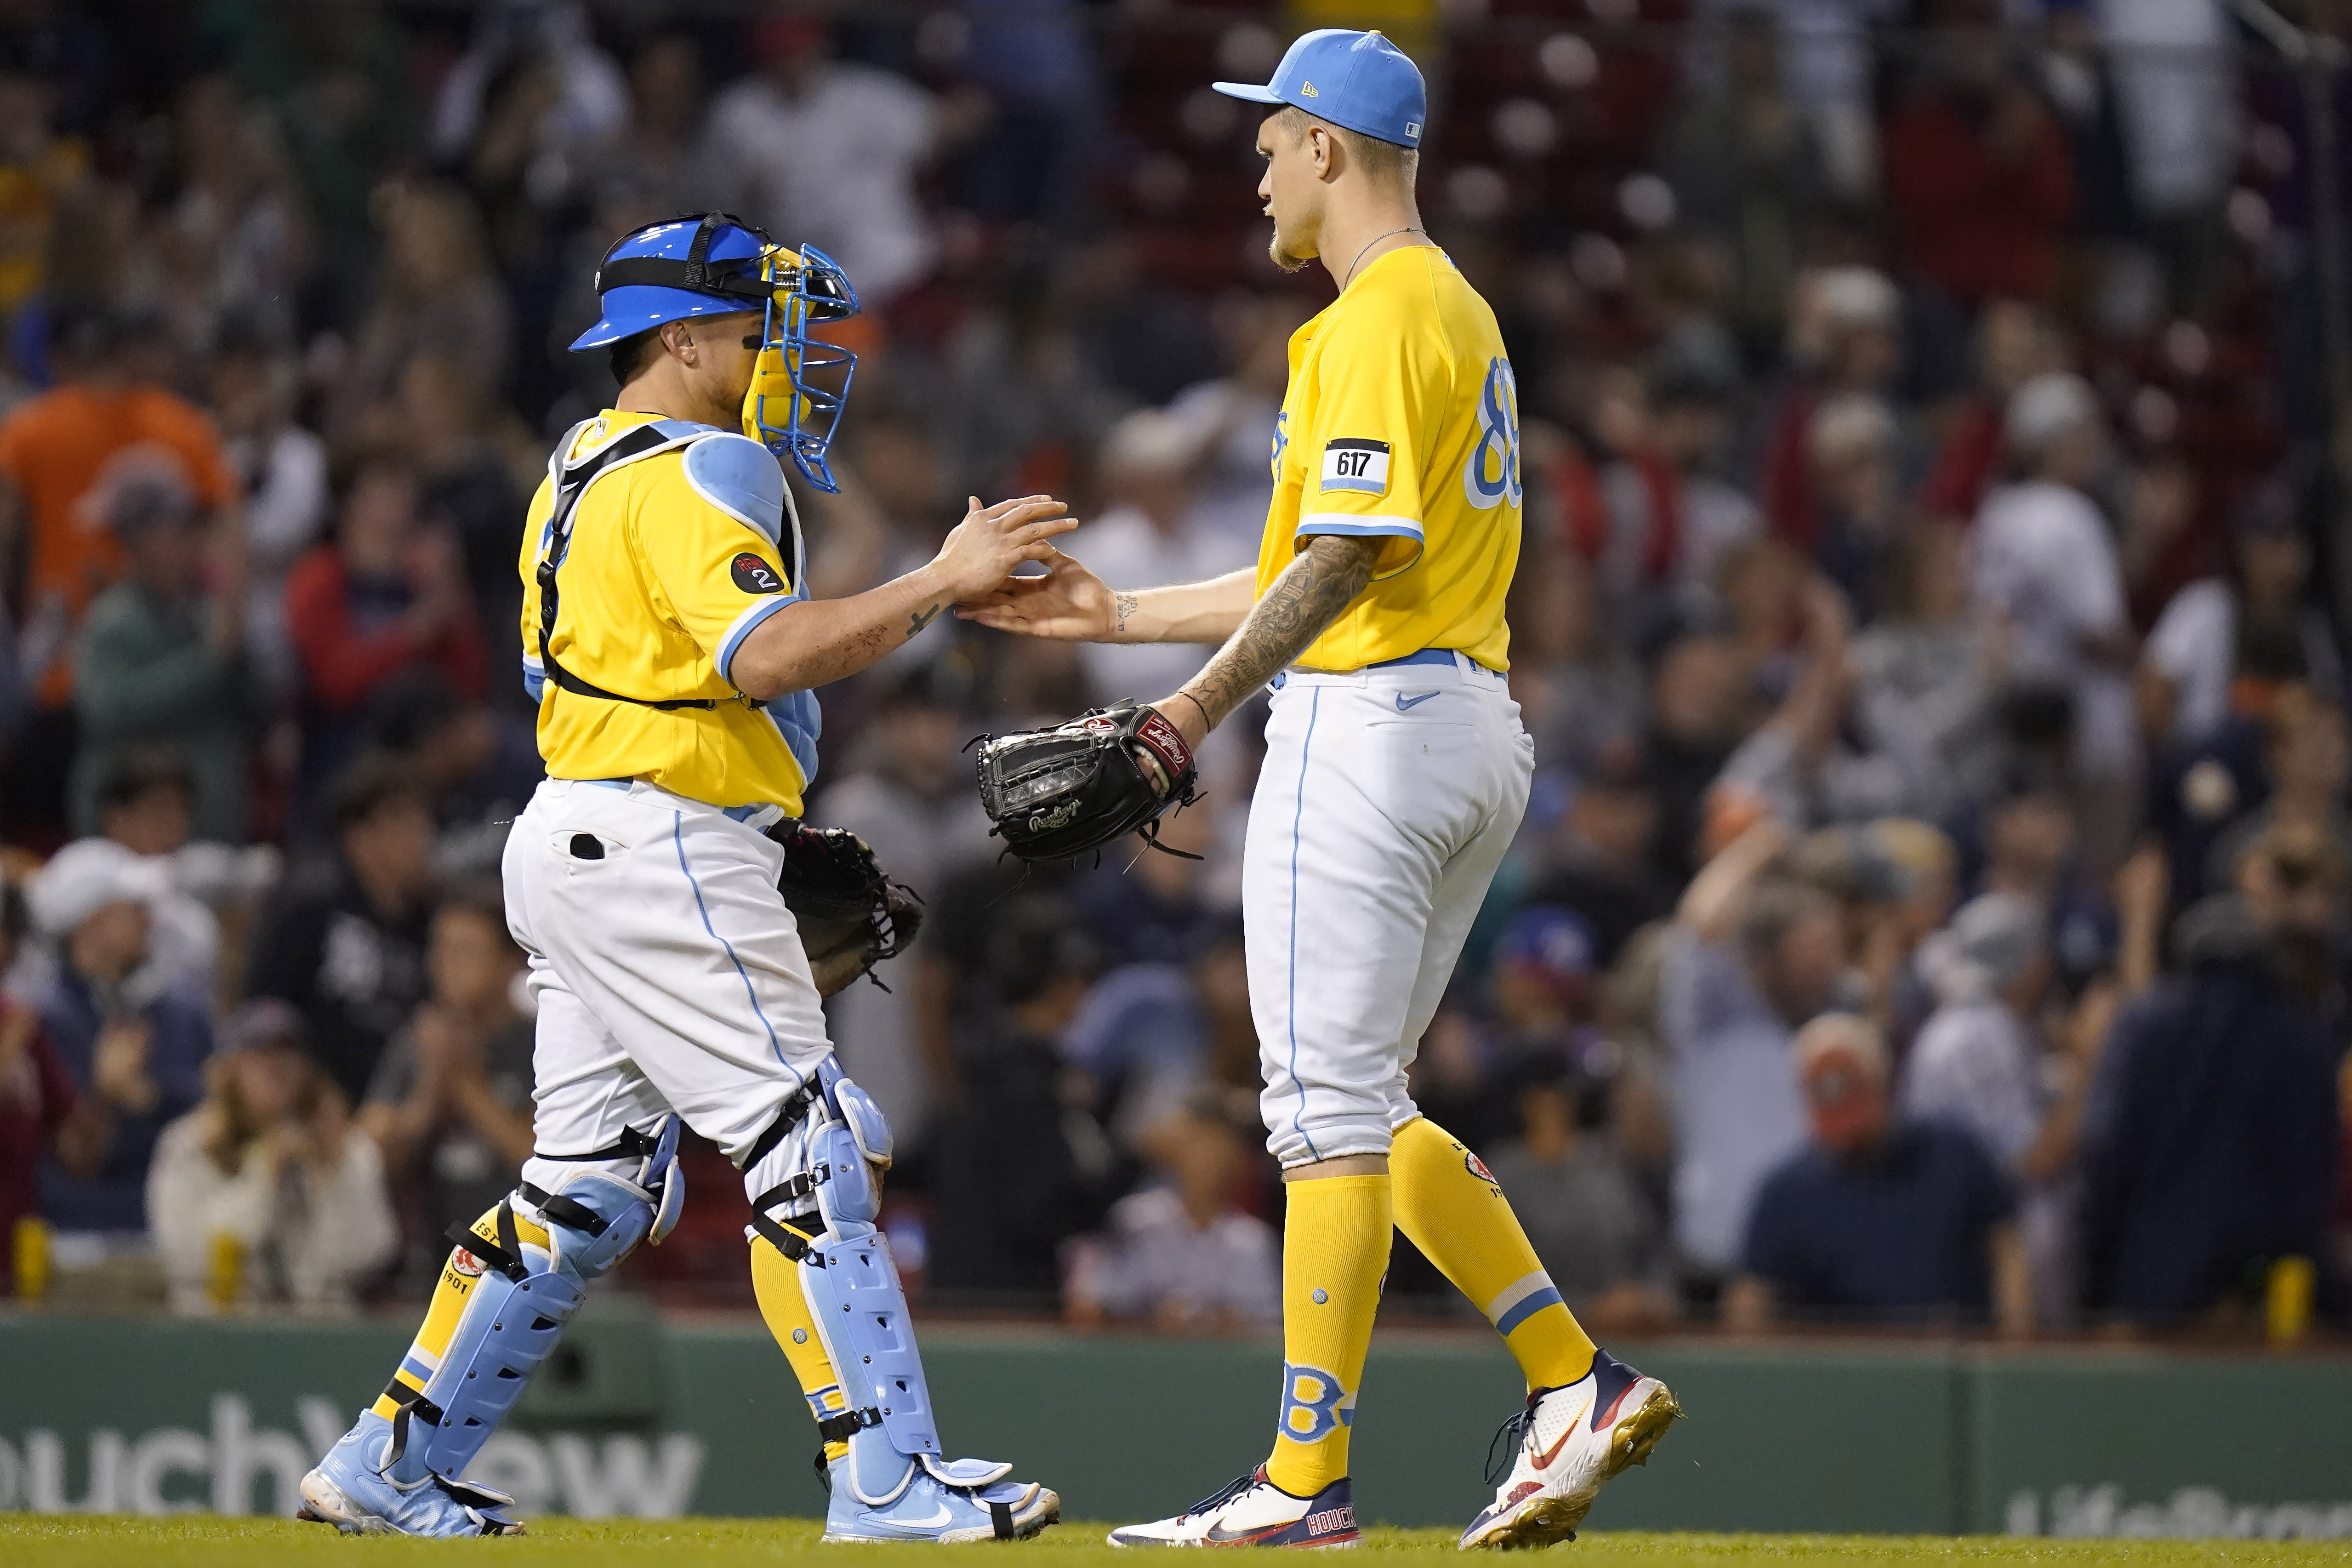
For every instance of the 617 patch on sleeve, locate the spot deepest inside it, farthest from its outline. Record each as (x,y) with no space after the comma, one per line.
(1354,465)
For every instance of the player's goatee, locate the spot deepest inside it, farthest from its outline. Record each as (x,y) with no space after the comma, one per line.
(1282,258)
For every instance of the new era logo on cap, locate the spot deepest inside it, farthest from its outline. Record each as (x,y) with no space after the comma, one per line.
(1359,80)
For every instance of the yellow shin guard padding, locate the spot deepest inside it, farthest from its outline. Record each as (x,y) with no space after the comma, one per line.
(1335,1251)
(776,1281)
(1449,1207)
(449,1299)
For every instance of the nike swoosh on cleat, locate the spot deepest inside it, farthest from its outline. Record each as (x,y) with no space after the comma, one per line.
(1544,1459)
(943,1516)
(1407,704)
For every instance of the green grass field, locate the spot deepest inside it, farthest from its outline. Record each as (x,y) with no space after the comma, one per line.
(31,1541)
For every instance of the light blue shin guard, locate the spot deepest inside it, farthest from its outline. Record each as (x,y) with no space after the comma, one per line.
(517,1312)
(860,1309)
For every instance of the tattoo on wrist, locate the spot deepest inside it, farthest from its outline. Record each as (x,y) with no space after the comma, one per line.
(921,618)
(1308,597)
(1122,606)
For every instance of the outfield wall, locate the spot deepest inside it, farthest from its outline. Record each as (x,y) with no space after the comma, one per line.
(639,1416)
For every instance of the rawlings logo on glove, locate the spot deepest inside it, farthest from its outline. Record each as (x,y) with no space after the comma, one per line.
(1054,795)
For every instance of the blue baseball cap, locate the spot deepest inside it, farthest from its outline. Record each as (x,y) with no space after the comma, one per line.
(1359,80)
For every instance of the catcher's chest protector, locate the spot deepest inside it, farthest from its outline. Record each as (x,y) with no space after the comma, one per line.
(571,476)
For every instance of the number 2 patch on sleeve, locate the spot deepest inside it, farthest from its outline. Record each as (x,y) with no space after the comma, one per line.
(754,575)
(1350,464)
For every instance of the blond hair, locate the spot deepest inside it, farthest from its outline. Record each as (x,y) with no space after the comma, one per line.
(1380,161)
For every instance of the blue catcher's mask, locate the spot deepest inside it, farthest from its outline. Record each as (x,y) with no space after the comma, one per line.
(716,264)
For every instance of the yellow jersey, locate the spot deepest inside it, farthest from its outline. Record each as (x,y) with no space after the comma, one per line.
(1401,421)
(674,555)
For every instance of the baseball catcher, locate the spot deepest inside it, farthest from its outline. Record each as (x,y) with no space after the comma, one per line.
(681,925)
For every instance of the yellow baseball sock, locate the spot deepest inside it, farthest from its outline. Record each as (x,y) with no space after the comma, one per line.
(448,1304)
(776,1281)
(1335,1251)
(1448,1206)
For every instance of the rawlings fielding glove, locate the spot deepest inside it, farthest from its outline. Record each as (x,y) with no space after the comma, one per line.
(851,915)
(1056,793)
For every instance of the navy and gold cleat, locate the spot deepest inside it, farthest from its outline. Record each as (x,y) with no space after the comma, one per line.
(1254,1512)
(1568,1442)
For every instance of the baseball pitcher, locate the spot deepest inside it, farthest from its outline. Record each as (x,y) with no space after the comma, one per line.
(1396,773)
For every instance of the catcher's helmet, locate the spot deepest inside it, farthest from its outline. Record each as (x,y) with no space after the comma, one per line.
(715,264)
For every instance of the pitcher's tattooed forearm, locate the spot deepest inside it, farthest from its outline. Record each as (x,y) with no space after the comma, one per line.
(1308,597)
(921,618)
(1122,607)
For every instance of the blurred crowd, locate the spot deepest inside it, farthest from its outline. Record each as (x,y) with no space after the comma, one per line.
(1932,909)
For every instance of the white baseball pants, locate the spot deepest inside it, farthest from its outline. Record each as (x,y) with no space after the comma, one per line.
(1385,803)
(669,972)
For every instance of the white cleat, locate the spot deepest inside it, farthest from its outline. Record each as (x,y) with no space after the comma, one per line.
(350,1491)
(1570,1440)
(1254,1512)
(323,1502)
(927,1507)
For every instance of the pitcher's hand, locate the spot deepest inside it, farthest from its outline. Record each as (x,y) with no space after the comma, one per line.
(992,541)
(1068,603)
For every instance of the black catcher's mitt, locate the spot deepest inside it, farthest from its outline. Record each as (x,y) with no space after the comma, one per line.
(1056,793)
(851,915)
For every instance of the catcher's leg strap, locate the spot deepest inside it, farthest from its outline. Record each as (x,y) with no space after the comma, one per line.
(829,1135)
(787,1147)
(525,1297)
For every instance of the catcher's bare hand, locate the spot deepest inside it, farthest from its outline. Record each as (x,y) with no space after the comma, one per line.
(1068,603)
(984,548)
